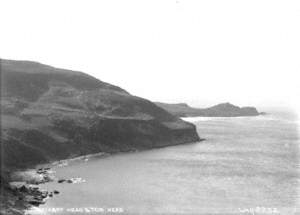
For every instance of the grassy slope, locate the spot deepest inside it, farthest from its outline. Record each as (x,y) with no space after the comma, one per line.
(49,114)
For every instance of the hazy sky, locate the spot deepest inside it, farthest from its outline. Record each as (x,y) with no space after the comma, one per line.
(201,52)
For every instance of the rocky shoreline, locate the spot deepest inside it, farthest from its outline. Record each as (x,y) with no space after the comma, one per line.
(23,192)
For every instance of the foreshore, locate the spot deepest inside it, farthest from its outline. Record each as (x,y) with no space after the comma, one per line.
(24,192)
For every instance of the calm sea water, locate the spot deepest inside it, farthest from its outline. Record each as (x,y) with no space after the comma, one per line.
(246,163)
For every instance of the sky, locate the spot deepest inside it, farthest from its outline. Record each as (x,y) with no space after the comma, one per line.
(202,52)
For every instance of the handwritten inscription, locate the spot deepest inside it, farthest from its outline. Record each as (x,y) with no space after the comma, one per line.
(259,210)
(83,210)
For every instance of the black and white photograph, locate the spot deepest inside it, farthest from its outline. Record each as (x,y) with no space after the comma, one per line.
(150,107)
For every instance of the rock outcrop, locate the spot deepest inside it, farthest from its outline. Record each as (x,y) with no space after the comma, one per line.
(220,110)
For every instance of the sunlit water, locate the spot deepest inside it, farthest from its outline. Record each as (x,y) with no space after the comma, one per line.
(245,163)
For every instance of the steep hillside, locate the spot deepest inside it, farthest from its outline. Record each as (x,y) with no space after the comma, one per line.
(50,114)
(220,110)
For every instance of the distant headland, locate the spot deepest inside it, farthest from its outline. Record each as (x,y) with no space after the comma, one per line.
(220,110)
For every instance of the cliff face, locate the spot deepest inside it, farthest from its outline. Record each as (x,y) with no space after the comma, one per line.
(220,110)
(50,114)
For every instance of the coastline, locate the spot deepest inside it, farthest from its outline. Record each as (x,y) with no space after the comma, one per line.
(25,183)
(50,114)
(83,158)
(115,180)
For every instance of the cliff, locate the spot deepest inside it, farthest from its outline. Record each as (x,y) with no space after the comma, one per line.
(220,110)
(49,114)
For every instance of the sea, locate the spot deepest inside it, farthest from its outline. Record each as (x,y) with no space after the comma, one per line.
(245,165)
